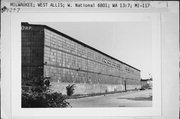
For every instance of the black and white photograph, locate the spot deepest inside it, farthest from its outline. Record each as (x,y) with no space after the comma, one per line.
(86,64)
(89,59)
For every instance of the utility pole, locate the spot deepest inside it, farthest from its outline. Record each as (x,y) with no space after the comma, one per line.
(125,85)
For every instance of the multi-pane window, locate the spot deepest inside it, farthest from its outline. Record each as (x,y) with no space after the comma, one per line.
(74,62)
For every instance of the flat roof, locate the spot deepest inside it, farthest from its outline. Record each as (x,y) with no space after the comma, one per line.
(75,40)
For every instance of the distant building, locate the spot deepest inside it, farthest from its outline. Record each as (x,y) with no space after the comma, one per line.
(47,52)
(146,83)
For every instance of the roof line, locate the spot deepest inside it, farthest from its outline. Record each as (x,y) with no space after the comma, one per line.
(75,40)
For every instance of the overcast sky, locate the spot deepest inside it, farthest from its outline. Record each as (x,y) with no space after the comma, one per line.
(129,42)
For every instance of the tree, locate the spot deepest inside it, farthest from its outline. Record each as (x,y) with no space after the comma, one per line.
(40,96)
(70,89)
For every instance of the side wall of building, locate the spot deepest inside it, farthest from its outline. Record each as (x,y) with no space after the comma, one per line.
(69,62)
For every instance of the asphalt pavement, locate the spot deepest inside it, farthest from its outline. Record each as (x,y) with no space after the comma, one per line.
(125,99)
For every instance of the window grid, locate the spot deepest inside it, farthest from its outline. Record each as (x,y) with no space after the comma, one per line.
(73,59)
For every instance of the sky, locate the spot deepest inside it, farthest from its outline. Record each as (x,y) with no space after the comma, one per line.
(130,42)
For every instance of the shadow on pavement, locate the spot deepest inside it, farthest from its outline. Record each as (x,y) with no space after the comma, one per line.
(139,98)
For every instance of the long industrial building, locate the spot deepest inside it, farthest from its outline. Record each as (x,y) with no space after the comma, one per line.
(47,52)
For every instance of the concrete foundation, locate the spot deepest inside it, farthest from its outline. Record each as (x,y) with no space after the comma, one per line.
(83,88)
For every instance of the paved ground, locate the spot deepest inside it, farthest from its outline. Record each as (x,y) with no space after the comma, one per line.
(128,99)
